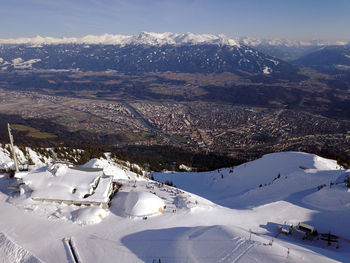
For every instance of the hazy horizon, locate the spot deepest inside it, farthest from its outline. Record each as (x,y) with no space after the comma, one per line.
(237,37)
(291,19)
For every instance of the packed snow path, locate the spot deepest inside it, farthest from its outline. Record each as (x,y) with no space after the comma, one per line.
(72,251)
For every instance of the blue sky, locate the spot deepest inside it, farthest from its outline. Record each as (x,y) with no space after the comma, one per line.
(295,19)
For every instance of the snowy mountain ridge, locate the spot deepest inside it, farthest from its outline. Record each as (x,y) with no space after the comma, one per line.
(146,52)
(168,38)
(255,41)
(143,38)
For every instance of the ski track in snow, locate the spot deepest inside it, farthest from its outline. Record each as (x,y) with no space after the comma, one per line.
(240,249)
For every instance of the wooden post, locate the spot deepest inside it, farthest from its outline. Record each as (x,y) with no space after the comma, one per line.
(12,148)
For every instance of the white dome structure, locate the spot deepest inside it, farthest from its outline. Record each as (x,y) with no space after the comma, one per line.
(143,204)
(89,215)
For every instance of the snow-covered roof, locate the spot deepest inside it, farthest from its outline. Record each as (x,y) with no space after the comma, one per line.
(102,191)
(60,182)
(109,168)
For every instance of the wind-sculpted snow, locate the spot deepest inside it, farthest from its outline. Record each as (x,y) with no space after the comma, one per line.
(11,252)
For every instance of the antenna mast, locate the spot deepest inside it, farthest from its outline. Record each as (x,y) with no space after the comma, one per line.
(12,148)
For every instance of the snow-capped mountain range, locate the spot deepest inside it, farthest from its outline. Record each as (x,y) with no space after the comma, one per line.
(287,49)
(330,59)
(144,38)
(157,52)
(145,52)
(168,38)
(254,41)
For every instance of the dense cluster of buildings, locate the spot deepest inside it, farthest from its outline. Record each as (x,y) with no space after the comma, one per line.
(198,126)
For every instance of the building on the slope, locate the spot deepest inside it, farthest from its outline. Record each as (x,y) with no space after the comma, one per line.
(307,231)
(68,185)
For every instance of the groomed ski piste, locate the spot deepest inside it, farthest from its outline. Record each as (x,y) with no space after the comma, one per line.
(232,214)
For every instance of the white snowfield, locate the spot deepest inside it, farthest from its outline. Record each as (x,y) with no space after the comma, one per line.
(143,38)
(227,215)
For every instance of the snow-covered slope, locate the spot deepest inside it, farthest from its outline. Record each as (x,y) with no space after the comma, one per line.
(274,171)
(11,252)
(304,180)
(144,38)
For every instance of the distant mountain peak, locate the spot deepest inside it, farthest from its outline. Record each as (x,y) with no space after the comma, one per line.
(255,41)
(143,38)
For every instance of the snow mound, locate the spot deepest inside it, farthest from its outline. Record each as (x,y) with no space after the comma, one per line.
(286,163)
(109,168)
(89,215)
(96,163)
(59,169)
(11,252)
(143,204)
